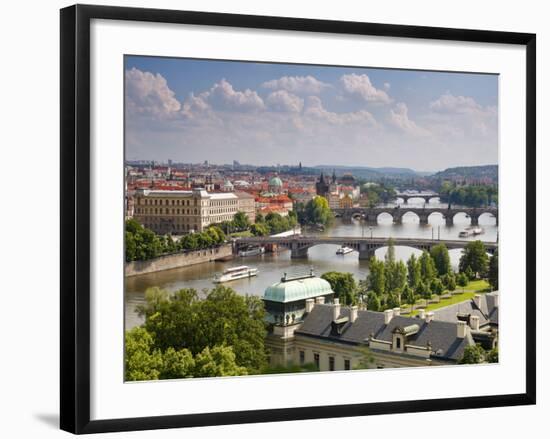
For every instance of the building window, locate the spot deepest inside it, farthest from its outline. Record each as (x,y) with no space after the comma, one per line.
(398,342)
(330,363)
(316,360)
(347,364)
(302,357)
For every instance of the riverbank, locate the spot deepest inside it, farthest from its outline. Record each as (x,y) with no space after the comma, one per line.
(178,260)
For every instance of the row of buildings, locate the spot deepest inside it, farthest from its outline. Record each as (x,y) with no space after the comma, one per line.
(308,325)
(170,209)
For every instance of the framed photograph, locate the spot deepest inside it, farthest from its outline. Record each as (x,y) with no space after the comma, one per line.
(268,219)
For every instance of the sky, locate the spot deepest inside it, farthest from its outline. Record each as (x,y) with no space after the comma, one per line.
(190,110)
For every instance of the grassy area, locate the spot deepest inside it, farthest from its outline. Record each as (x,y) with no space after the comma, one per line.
(466,293)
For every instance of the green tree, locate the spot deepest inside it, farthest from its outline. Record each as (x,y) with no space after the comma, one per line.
(473,354)
(493,271)
(317,211)
(427,267)
(343,285)
(449,281)
(376,278)
(221,318)
(474,256)
(259,229)
(177,364)
(492,356)
(437,287)
(414,273)
(442,262)
(462,280)
(217,361)
(373,302)
(241,221)
(409,296)
(141,361)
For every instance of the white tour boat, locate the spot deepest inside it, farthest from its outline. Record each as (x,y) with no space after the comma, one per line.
(344,250)
(471,231)
(235,273)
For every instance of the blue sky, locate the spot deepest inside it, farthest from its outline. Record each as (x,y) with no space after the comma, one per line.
(265,113)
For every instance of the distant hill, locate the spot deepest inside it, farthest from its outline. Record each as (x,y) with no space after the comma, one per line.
(368,172)
(469,172)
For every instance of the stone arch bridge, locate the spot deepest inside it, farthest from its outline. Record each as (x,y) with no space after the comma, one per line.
(425,196)
(423,213)
(299,245)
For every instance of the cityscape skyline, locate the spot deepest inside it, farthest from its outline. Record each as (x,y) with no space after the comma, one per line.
(256,113)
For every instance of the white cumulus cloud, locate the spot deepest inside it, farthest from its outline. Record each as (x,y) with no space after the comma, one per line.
(281,100)
(399,117)
(315,109)
(222,96)
(149,94)
(362,87)
(305,85)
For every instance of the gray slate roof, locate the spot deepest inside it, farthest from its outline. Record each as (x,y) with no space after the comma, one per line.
(487,311)
(441,334)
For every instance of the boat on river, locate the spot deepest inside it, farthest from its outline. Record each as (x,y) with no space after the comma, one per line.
(252,251)
(234,273)
(471,231)
(344,250)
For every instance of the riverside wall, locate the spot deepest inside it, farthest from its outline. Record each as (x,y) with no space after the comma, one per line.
(178,260)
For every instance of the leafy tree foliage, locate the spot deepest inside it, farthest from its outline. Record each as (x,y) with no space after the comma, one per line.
(474,258)
(437,287)
(315,211)
(442,261)
(468,195)
(473,354)
(492,356)
(493,271)
(414,273)
(462,279)
(221,318)
(259,229)
(218,361)
(240,221)
(377,277)
(449,281)
(427,267)
(343,285)
(142,362)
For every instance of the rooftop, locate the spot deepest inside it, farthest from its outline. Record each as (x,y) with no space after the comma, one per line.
(291,289)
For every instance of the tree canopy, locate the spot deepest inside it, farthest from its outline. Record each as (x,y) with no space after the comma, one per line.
(474,258)
(183,320)
(343,285)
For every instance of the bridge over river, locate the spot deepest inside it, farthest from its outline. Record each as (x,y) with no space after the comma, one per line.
(299,245)
(423,213)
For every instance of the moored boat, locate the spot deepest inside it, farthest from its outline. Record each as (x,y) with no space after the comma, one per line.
(252,251)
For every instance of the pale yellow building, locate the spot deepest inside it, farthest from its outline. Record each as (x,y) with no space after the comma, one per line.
(179,212)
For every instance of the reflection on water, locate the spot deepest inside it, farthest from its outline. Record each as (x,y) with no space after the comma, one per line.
(321,258)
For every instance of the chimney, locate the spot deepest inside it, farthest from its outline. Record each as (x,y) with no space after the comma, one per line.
(429,316)
(474,323)
(422,313)
(461,329)
(388,315)
(396,311)
(310,303)
(336,309)
(320,300)
(477,300)
(353,313)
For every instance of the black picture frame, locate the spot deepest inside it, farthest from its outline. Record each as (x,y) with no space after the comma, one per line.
(75,217)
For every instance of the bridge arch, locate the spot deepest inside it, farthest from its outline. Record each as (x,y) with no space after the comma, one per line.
(488,215)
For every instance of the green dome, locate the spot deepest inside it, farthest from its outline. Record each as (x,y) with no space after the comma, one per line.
(297,289)
(275,182)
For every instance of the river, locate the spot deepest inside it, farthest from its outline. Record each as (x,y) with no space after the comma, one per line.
(321,258)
